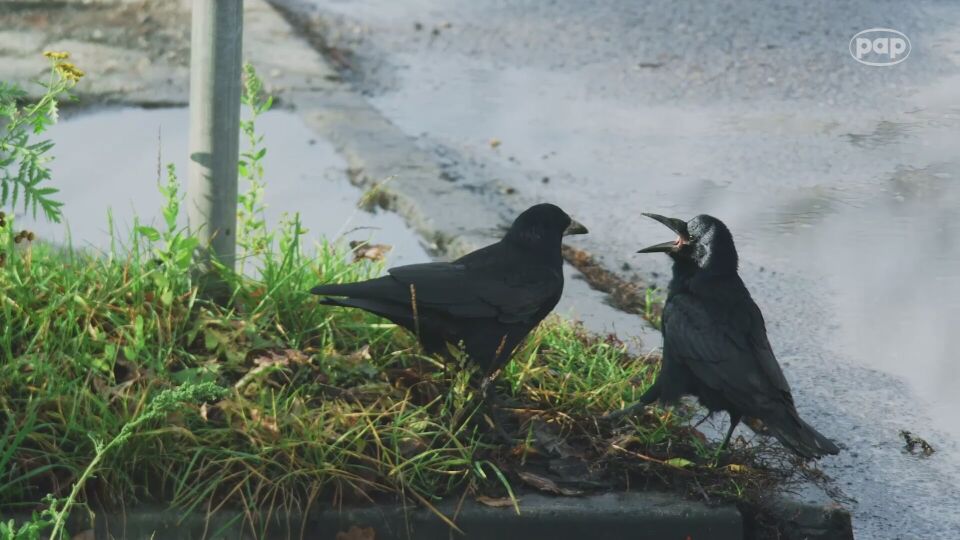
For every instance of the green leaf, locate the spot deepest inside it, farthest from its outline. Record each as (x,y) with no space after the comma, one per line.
(149,232)
(679,462)
(211,339)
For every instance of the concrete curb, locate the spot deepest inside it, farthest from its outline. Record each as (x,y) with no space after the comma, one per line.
(637,516)
(812,521)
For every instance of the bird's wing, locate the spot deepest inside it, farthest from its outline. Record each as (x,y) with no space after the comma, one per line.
(461,291)
(725,345)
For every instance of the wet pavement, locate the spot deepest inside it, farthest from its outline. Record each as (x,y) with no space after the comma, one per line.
(839,181)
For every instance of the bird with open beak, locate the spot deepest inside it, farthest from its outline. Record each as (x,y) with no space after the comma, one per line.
(715,344)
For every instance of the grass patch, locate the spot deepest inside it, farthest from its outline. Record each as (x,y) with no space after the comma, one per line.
(322,406)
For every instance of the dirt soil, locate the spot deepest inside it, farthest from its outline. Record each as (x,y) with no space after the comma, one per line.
(132,52)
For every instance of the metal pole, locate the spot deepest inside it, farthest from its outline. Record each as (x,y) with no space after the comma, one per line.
(215,85)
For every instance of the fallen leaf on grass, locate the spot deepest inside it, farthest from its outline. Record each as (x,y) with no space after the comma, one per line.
(411,446)
(270,361)
(268,423)
(549,438)
(737,468)
(543,483)
(223,411)
(360,355)
(357,533)
(678,462)
(493,502)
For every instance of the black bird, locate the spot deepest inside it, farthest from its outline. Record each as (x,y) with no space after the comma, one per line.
(488,300)
(715,343)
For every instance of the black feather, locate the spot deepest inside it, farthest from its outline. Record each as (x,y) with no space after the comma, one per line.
(488,300)
(715,344)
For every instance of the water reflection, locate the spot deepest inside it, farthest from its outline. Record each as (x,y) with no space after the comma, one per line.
(119,174)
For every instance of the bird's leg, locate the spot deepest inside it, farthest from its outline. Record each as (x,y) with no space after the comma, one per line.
(624,412)
(651,395)
(704,419)
(734,420)
(490,405)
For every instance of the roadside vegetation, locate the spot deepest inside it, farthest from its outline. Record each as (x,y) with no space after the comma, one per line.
(119,385)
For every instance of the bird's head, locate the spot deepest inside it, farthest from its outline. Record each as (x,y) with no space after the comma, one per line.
(704,241)
(543,225)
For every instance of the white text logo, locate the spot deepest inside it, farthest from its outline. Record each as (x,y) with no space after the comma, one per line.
(880,47)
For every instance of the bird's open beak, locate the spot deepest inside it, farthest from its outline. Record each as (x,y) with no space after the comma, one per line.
(676,225)
(575,227)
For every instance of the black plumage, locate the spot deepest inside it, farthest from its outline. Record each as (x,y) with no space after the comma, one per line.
(715,344)
(488,300)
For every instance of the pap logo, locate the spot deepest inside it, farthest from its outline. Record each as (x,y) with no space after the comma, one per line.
(880,47)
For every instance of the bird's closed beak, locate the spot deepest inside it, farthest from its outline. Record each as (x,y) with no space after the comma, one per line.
(676,225)
(575,227)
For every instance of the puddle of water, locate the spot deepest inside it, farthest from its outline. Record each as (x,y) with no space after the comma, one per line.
(119,174)
(581,303)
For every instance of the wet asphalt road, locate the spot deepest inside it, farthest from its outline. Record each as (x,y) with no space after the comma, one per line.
(839,181)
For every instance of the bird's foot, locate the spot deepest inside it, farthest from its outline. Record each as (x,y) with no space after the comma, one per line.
(495,422)
(624,412)
(702,420)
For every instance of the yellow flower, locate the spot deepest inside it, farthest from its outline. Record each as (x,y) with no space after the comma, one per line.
(56,55)
(69,71)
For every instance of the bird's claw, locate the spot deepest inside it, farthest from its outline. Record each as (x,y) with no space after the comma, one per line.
(614,416)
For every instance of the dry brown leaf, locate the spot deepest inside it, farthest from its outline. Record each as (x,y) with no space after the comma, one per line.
(412,446)
(271,360)
(360,355)
(501,502)
(543,483)
(282,358)
(357,533)
(373,252)
(548,437)
(268,423)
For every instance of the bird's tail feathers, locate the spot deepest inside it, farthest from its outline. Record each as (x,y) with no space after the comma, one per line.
(327,301)
(802,438)
(339,289)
